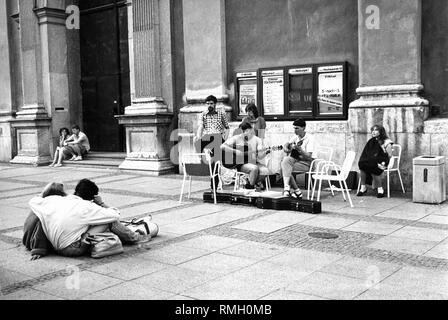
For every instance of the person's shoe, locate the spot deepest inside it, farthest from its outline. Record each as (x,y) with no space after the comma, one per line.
(380,195)
(57,165)
(78,158)
(249,186)
(142,239)
(72,158)
(297,194)
(51,165)
(360,193)
(286,193)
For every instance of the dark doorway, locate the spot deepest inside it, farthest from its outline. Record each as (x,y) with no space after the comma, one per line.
(104,71)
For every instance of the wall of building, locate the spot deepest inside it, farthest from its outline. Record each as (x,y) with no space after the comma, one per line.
(275,33)
(434,52)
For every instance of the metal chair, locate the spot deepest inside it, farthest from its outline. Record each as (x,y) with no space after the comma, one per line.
(394,166)
(194,166)
(324,173)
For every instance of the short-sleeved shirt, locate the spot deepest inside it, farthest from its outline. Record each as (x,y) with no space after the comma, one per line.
(84,140)
(308,143)
(213,123)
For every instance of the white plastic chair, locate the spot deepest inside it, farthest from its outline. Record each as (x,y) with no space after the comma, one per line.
(323,154)
(193,166)
(324,173)
(394,166)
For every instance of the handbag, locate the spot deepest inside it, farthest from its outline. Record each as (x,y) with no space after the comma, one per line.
(143,226)
(104,244)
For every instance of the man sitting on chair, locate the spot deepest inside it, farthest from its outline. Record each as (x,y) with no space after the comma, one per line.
(247,149)
(301,152)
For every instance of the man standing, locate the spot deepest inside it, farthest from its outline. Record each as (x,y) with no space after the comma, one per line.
(212,131)
(255,151)
(301,152)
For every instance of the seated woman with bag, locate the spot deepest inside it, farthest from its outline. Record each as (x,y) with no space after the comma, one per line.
(374,160)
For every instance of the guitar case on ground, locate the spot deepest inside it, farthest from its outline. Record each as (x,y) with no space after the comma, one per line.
(221,197)
(308,206)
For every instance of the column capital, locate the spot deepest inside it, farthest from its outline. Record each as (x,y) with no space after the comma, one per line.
(51,15)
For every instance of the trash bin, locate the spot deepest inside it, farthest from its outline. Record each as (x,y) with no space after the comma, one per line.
(429,184)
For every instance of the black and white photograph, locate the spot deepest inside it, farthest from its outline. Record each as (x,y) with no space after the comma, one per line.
(223,156)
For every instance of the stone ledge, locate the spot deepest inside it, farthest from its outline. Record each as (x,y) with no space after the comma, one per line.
(436,126)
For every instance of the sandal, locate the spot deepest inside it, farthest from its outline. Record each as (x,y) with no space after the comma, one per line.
(286,193)
(297,194)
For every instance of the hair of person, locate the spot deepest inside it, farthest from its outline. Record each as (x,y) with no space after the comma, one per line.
(383,135)
(86,189)
(53,189)
(252,107)
(245,125)
(63,129)
(75,126)
(211,98)
(299,123)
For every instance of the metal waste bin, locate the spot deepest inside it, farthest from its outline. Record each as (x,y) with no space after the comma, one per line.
(429,185)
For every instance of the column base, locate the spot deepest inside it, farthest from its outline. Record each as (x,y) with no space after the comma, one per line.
(31,160)
(154,167)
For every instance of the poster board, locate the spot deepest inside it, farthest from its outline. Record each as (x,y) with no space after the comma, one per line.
(301,90)
(273,87)
(247,89)
(330,88)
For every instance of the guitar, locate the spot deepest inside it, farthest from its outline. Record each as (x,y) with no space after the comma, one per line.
(249,156)
(295,147)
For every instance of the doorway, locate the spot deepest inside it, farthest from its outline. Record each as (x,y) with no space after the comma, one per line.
(105,79)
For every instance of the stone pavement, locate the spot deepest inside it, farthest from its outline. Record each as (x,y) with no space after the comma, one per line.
(385,249)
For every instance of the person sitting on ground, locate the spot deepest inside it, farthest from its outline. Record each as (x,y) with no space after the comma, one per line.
(301,152)
(67,221)
(374,160)
(76,146)
(258,123)
(34,238)
(248,150)
(64,134)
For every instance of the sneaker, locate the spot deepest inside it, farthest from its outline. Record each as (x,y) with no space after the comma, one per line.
(380,195)
(249,186)
(57,165)
(361,194)
(78,158)
(72,158)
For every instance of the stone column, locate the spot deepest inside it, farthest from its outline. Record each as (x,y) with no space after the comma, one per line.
(148,119)
(32,125)
(205,60)
(6,99)
(390,76)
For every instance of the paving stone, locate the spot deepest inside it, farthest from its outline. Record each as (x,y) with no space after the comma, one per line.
(329,286)
(406,245)
(8,277)
(77,285)
(373,227)
(254,250)
(129,268)
(175,279)
(6,246)
(432,218)
(306,260)
(120,201)
(283,294)
(412,215)
(128,291)
(218,263)
(328,222)
(29,294)
(439,251)
(253,282)
(421,233)
(173,254)
(388,292)
(262,225)
(147,208)
(210,242)
(371,271)
(63,174)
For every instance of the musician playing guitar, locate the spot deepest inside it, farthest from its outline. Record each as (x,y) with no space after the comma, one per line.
(243,151)
(301,152)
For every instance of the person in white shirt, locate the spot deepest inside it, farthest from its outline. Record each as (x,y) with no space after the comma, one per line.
(301,152)
(68,220)
(76,146)
(247,161)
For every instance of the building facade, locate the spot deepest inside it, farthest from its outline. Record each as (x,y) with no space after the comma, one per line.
(135,73)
